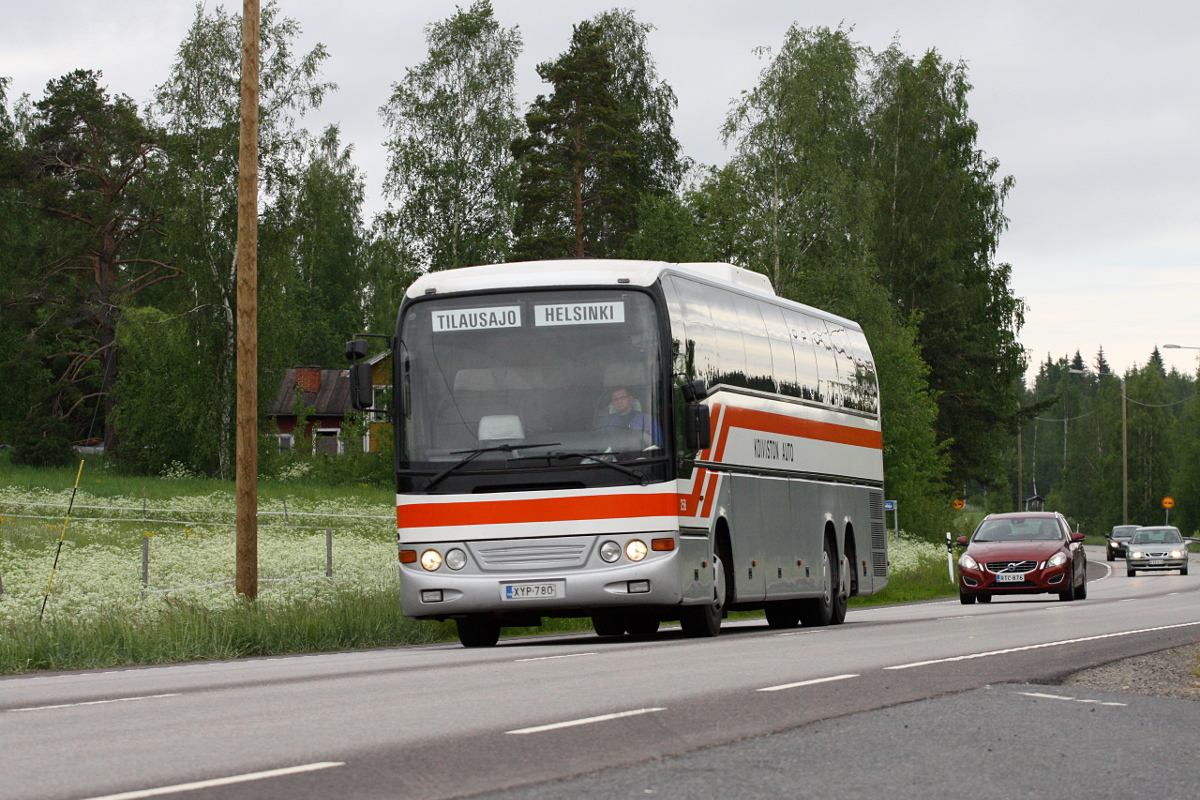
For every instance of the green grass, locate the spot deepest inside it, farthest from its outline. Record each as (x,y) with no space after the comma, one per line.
(930,581)
(182,632)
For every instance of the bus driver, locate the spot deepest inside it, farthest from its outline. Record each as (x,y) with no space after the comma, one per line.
(625,415)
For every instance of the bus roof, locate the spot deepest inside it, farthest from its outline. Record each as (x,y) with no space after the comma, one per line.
(595,272)
(578,272)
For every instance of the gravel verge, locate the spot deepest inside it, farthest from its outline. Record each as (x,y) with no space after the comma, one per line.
(1167,673)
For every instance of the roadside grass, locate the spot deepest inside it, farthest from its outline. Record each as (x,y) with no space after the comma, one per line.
(346,620)
(930,580)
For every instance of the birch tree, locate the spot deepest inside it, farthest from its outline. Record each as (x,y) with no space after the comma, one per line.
(450,174)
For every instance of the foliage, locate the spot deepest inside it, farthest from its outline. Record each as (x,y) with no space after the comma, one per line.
(577,192)
(197,109)
(938,221)
(88,164)
(451,120)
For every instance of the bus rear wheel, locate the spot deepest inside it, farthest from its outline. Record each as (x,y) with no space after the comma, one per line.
(817,612)
(478,631)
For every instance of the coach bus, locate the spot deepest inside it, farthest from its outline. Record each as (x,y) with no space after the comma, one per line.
(633,442)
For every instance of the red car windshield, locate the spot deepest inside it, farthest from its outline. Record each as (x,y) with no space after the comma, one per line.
(1018,529)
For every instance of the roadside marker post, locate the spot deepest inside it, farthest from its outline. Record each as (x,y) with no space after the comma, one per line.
(62,535)
(950,555)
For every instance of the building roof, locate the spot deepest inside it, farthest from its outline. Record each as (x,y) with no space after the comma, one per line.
(332,400)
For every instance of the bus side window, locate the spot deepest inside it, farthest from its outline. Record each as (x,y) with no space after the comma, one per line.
(864,385)
(731,353)
(759,374)
(827,367)
(701,336)
(680,363)
(783,362)
(806,356)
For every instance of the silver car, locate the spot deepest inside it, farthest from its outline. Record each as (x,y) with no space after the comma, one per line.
(1156,547)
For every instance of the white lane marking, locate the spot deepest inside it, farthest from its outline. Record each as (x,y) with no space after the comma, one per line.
(250,776)
(812,682)
(585,721)
(802,633)
(96,702)
(970,656)
(1072,699)
(548,658)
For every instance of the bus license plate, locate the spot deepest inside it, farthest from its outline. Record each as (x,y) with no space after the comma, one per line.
(528,591)
(1010,577)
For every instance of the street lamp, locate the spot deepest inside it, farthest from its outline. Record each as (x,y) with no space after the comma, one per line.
(1124,439)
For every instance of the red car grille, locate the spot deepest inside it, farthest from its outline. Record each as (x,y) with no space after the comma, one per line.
(1010,566)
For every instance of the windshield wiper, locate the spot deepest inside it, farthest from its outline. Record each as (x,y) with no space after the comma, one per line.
(591,459)
(473,454)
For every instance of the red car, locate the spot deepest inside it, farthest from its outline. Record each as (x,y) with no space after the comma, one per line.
(1022,553)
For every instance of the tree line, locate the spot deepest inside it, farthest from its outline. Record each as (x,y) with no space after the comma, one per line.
(1072,454)
(855,183)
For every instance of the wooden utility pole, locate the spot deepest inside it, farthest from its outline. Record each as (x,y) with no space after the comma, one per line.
(1124,457)
(247,313)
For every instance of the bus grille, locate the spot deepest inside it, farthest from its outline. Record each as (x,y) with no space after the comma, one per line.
(876,499)
(548,554)
(878,535)
(880,564)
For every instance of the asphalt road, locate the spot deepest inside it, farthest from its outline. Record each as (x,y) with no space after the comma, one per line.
(753,713)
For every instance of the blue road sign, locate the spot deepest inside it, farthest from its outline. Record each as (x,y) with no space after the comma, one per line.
(889,505)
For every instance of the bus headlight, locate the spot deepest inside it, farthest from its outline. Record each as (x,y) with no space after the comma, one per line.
(635,550)
(610,551)
(431,560)
(456,559)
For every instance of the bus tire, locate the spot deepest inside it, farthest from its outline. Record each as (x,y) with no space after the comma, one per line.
(817,612)
(705,621)
(641,623)
(783,614)
(608,623)
(478,631)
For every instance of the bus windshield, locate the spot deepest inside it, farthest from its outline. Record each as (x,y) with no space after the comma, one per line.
(569,376)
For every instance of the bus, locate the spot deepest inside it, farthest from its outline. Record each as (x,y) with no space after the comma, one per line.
(634,442)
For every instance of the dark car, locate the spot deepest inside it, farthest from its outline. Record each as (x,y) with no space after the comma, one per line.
(1156,547)
(1117,540)
(1022,553)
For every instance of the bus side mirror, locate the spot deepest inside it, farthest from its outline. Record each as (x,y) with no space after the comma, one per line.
(698,431)
(694,391)
(356,350)
(362,392)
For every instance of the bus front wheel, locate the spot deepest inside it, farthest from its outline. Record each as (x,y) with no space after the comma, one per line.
(478,631)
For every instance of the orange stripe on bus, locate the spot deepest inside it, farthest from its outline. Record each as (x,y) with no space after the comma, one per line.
(710,494)
(546,509)
(767,422)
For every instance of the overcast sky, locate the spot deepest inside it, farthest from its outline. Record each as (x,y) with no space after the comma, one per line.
(1093,108)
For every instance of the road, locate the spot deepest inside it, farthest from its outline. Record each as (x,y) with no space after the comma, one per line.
(440,721)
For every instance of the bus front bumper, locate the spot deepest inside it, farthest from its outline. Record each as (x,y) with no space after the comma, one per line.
(444,594)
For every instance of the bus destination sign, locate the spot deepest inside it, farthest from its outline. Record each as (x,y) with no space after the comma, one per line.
(579,313)
(477,319)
